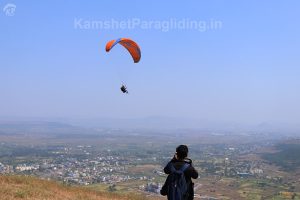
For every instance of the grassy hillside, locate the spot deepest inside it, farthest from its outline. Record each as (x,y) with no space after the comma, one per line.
(24,187)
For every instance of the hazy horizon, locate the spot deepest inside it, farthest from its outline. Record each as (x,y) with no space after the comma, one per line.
(159,123)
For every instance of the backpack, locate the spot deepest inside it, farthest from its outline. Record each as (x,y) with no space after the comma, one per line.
(176,187)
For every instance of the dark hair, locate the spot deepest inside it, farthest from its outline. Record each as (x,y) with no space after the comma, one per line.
(182,151)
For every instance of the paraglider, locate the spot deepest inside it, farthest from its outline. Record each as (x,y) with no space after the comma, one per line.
(131,46)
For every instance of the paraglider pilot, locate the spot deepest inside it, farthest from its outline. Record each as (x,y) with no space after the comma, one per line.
(124,89)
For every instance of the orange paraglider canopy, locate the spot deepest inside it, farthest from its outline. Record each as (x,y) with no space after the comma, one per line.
(132,47)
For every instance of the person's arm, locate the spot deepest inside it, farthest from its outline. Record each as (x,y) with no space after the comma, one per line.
(167,168)
(194,173)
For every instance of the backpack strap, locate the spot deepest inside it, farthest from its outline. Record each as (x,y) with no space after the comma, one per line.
(184,167)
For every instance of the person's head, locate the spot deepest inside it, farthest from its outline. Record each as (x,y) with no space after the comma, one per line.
(182,152)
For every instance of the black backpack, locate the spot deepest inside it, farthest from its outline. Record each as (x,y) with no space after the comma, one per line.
(176,187)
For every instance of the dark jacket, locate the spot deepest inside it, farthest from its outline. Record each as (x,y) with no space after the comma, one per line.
(189,173)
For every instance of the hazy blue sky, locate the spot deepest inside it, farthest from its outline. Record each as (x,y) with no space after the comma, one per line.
(244,69)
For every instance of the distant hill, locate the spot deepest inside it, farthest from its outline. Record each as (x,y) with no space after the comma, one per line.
(24,187)
(41,128)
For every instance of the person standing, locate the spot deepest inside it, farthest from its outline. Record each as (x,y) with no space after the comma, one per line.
(178,169)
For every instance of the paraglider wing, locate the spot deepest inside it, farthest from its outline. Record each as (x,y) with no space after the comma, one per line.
(129,44)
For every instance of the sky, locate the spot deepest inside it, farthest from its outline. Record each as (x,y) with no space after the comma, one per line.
(223,60)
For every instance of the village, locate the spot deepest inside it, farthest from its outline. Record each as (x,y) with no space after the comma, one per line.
(83,165)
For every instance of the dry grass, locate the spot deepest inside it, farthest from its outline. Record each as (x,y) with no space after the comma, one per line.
(25,187)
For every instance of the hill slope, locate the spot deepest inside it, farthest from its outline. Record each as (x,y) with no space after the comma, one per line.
(24,187)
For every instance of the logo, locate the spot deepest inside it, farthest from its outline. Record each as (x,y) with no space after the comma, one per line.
(9,9)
